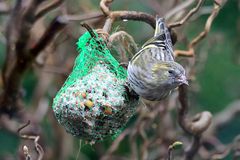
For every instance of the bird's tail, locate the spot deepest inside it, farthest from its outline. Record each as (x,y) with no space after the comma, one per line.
(160,26)
(161,30)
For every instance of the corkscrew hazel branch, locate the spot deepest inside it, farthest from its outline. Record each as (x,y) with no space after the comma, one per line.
(123,15)
(191,51)
(188,16)
(38,147)
(20,55)
(194,127)
(48,8)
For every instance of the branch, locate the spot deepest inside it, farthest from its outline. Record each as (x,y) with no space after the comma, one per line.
(190,52)
(104,5)
(84,17)
(56,25)
(38,147)
(178,9)
(134,15)
(26,153)
(126,15)
(113,16)
(49,7)
(20,56)
(115,144)
(17,61)
(193,148)
(189,15)
(194,127)
(127,42)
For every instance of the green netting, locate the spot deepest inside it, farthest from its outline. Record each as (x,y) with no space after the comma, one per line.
(93,51)
(93,102)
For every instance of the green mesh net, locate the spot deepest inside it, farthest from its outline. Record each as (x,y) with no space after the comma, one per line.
(94,103)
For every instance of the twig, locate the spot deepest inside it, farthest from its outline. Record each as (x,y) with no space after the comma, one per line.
(38,147)
(170,153)
(89,29)
(178,8)
(190,52)
(84,17)
(17,61)
(189,15)
(236,148)
(195,127)
(116,143)
(19,54)
(192,150)
(104,5)
(134,15)
(47,8)
(127,42)
(26,153)
(173,146)
(113,16)
(125,15)
(56,25)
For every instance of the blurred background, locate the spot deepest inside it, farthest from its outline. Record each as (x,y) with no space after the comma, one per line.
(214,87)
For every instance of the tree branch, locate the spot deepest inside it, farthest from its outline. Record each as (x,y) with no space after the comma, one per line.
(178,9)
(190,52)
(194,127)
(189,15)
(49,7)
(38,147)
(19,55)
(55,26)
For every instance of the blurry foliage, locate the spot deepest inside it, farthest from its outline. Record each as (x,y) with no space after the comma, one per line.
(219,80)
(8,143)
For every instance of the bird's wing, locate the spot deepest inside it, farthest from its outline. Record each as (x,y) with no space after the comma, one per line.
(155,40)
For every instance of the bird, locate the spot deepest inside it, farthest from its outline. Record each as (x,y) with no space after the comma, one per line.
(152,72)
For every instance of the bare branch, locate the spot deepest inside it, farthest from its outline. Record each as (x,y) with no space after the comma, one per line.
(193,148)
(84,17)
(19,55)
(116,144)
(56,25)
(127,42)
(178,9)
(126,15)
(104,5)
(190,52)
(193,127)
(189,15)
(26,153)
(49,7)
(38,147)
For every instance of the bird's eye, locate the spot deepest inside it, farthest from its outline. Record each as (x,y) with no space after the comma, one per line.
(170,71)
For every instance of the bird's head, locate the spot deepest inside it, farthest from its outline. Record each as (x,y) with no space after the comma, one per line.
(170,73)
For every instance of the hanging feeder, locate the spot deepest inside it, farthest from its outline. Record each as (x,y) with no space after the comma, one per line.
(94,101)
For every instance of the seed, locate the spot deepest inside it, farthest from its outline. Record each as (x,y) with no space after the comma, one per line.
(82,105)
(84,95)
(89,104)
(108,110)
(76,94)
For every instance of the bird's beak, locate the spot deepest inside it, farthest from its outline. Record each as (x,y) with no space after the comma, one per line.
(183,80)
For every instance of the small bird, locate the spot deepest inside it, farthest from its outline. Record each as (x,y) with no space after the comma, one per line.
(152,72)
